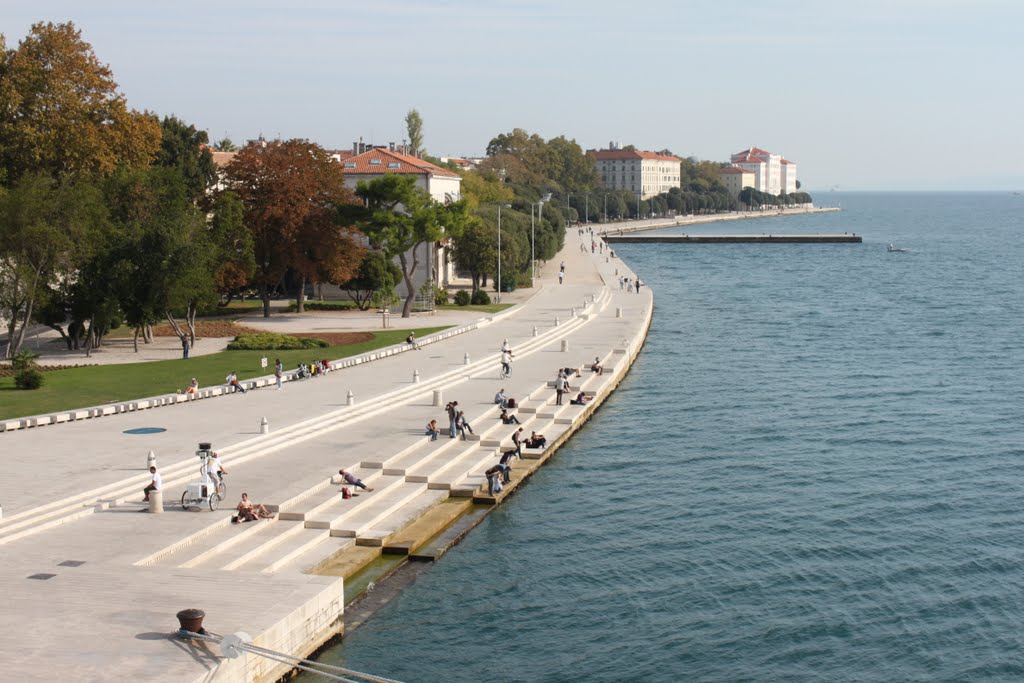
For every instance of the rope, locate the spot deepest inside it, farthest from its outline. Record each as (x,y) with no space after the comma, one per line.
(292,660)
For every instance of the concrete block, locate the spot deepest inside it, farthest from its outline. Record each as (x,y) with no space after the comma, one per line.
(60,417)
(563,420)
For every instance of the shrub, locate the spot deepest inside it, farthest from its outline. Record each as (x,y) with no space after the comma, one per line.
(480,298)
(323,306)
(31,378)
(269,341)
(462,297)
(441,296)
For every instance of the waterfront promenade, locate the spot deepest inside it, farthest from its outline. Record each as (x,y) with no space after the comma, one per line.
(93,583)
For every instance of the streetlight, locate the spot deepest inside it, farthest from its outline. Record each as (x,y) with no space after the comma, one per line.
(605,216)
(507,206)
(568,211)
(586,209)
(533,237)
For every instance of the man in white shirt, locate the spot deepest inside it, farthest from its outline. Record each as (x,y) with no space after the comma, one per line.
(215,470)
(155,485)
(506,363)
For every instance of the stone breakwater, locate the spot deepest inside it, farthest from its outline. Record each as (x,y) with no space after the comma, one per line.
(100,585)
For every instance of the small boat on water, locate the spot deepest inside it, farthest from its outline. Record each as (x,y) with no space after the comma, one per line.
(892,248)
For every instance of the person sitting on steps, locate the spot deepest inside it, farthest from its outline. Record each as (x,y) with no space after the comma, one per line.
(462,424)
(596,366)
(508,419)
(432,430)
(535,441)
(411,341)
(501,399)
(580,400)
(249,511)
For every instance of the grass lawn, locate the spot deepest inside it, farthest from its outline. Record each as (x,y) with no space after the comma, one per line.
(489,308)
(99,384)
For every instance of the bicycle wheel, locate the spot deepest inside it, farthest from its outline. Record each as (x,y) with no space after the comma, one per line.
(214,502)
(222,490)
(184,501)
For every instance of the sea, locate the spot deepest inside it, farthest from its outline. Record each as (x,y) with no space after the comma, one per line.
(811,473)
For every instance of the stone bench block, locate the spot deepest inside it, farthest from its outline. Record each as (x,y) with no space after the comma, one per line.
(81,414)
(545,416)
(563,420)
(60,417)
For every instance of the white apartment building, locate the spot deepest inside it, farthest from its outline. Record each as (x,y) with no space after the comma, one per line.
(772,173)
(647,173)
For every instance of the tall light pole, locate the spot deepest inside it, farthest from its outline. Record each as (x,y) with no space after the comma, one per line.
(586,208)
(568,211)
(533,246)
(605,207)
(507,206)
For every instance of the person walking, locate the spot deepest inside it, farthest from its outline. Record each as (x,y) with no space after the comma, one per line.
(506,364)
(638,285)
(278,372)
(561,276)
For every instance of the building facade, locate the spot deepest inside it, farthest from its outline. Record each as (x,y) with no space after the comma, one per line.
(646,173)
(772,173)
(735,178)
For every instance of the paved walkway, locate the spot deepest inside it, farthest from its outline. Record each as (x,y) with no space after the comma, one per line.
(70,492)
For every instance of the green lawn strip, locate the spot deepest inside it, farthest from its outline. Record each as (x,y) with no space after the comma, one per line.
(489,308)
(94,385)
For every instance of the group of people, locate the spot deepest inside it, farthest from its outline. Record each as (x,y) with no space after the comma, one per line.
(458,423)
(629,284)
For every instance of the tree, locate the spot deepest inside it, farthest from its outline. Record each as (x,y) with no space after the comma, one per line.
(476,250)
(235,261)
(225,145)
(45,232)
(184,148)
(376,272)
(291,192)
(414,125)
(61,112)
(398,218)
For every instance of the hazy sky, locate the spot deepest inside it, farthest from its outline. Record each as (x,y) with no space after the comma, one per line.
(865,94)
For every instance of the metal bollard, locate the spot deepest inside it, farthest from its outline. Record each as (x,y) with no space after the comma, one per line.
(415,376)
(465,358)
(438,397)
(350,399)
(565,345)
(151,460)
(264,426)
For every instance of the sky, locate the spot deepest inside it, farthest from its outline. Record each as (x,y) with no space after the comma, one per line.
(865,95)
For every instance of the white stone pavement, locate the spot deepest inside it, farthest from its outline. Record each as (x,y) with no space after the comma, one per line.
(71,492)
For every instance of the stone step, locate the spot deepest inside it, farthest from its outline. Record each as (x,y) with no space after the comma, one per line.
(401,517)
(333,505)
(273,535)
(311,557)
(360,518)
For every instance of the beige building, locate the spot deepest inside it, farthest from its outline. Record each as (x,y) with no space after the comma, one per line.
(647,173)
(735,178)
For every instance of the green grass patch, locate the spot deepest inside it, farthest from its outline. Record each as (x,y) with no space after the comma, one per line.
(488,308)
(99,384)
(324,306)
(270,341)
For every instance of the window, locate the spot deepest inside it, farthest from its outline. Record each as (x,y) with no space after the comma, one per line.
(394,164)
(350,164)
(374,162)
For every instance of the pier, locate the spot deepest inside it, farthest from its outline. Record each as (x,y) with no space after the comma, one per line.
(734,239)
(94,580)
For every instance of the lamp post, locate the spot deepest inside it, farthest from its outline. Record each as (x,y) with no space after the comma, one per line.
(605,207)
(507,206)
(586,208)
(568,211)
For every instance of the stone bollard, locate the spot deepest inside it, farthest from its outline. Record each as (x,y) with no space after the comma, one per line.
(573,313)
(618,312)
(557,322)
(438,397)
(465,358)
(264,426)
(156,501)
(350,399)
(616,271)
(415,376)
(534,330)
(565,345)
(150,460)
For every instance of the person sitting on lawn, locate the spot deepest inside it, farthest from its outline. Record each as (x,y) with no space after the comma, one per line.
(193,388)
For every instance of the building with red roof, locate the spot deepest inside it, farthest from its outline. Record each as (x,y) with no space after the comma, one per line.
(646,173)
(440,183)
(772,173)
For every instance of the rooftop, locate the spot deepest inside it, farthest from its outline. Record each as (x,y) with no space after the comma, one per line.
(379,161)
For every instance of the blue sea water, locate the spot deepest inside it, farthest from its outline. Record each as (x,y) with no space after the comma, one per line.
(812,473)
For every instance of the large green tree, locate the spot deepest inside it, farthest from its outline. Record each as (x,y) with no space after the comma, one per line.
(184,148)
(414,126)
(47,230)
(60,112)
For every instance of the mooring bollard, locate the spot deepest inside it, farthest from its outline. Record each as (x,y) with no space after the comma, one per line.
(557,322)
(534,330)
(350,399)
(465,358)
(438,397)
(151,460)
(618,312)
(415,376)
(156,502)
(573,314)
(264,426)
(565,345)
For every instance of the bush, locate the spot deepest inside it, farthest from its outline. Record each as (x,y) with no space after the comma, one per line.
(441,296)
(323,306)
(29,379)
(274,342)
(480,298)
(462,297)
